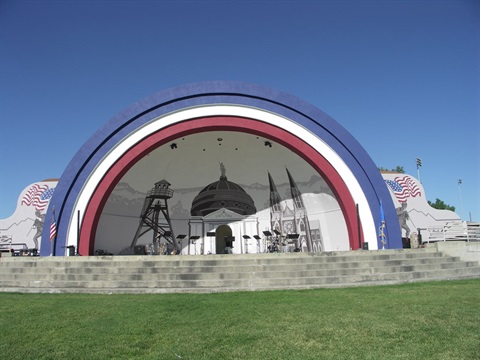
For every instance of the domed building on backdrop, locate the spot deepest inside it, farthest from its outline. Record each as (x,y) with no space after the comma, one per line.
(223,194)
(222,211)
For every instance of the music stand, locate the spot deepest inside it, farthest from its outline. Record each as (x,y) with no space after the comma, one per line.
(246,237)
(193,239)
(258,238)
(278,238)
(294,238)
(268,236)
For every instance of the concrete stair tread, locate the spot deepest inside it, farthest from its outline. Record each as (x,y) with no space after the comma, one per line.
(161,274)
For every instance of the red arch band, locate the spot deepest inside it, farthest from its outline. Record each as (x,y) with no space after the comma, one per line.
(216,123)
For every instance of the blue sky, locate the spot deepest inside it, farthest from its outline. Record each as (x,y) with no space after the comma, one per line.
(403,77)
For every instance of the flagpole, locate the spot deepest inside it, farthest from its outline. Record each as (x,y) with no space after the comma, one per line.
(382,228)
(359,229)
(460,192)
(53,232)
(78,230)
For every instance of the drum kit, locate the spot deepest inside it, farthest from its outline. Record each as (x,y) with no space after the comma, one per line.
(285,246)
(274,246)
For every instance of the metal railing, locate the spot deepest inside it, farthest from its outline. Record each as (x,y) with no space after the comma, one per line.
(453,231)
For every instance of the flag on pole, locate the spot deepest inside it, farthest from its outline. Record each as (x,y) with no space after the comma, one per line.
(381,230)
(53,227)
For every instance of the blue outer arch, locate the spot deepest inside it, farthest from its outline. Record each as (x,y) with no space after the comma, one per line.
(219,92)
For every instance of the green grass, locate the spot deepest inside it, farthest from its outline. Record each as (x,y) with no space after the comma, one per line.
(437,320)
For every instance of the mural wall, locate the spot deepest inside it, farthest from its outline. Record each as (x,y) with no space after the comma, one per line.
(412,208)
(121,216)
(23,230)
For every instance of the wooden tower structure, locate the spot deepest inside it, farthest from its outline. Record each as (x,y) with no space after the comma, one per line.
(155,216)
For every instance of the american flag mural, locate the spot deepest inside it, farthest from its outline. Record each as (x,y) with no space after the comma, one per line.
(404,187)
(38,196)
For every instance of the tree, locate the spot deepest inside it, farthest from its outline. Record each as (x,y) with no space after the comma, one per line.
(439,204)
(398,169)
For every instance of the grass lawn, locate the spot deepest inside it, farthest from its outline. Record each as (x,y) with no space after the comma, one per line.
(437,320)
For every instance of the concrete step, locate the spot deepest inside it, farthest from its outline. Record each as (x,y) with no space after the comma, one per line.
(227,272)
(199,267)
(214,260)
(231,272)
(248,283)
(184,262)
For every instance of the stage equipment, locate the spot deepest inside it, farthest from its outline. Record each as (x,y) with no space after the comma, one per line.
(259,243)
(139,250)
(229,244)
(293,238)
(180,240)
